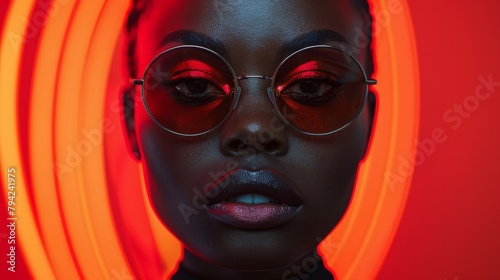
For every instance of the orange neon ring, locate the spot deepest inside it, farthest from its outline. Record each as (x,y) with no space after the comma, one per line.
(78,233)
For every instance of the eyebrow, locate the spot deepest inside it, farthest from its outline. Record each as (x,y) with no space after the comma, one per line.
(189,37)
(316,37)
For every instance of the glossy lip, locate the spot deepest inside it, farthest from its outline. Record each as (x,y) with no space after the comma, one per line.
(255,216)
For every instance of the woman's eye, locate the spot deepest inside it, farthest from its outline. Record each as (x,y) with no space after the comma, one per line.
(196,86)
(311,90)
(310,86)
(193,90)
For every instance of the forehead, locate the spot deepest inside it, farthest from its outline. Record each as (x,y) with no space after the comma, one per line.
(255,28)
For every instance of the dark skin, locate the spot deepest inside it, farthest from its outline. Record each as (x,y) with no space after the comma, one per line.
(322,169)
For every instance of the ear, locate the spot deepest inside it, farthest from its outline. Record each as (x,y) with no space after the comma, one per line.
(128,121)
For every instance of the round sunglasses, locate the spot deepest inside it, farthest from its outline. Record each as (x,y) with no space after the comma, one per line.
(190,90)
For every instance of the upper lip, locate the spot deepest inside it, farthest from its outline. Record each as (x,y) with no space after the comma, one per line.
(264,182)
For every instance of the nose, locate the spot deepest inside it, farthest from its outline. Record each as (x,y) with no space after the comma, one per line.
(254,127)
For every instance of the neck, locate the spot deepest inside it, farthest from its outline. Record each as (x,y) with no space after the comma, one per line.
(309,267)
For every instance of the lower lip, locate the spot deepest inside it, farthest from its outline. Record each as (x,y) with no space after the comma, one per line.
(253,216)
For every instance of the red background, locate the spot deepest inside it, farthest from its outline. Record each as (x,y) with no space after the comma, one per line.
(450,228)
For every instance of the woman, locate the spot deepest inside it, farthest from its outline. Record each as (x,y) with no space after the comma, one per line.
(254,118)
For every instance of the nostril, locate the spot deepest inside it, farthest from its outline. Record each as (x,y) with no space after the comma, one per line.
(272,147)
(252,138)
(237,146)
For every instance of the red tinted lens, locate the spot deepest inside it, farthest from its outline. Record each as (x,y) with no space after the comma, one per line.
(320,90)
(189,90)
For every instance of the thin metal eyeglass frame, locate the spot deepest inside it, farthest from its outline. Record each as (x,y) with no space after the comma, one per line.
(236,90)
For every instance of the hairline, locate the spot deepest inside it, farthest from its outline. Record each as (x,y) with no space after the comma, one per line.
(140,7)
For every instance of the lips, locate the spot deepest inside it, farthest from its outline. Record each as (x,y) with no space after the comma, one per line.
(254,200)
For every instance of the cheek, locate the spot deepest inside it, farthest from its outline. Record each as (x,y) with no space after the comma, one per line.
(171,163)
(340,159)
(325,171)
(327,177)
(329,156)
(159,162)
(173,168)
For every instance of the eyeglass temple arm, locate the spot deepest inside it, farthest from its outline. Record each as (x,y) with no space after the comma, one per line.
(136,82)
(371,82)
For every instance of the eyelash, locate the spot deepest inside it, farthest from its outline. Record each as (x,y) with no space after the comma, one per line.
(312,98)
(192,99)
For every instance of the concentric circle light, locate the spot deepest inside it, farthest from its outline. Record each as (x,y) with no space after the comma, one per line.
(84,209)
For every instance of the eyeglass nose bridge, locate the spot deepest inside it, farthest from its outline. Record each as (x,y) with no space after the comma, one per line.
(254,77)
(246,77)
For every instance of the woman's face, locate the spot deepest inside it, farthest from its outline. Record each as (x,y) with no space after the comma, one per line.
(304,183)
